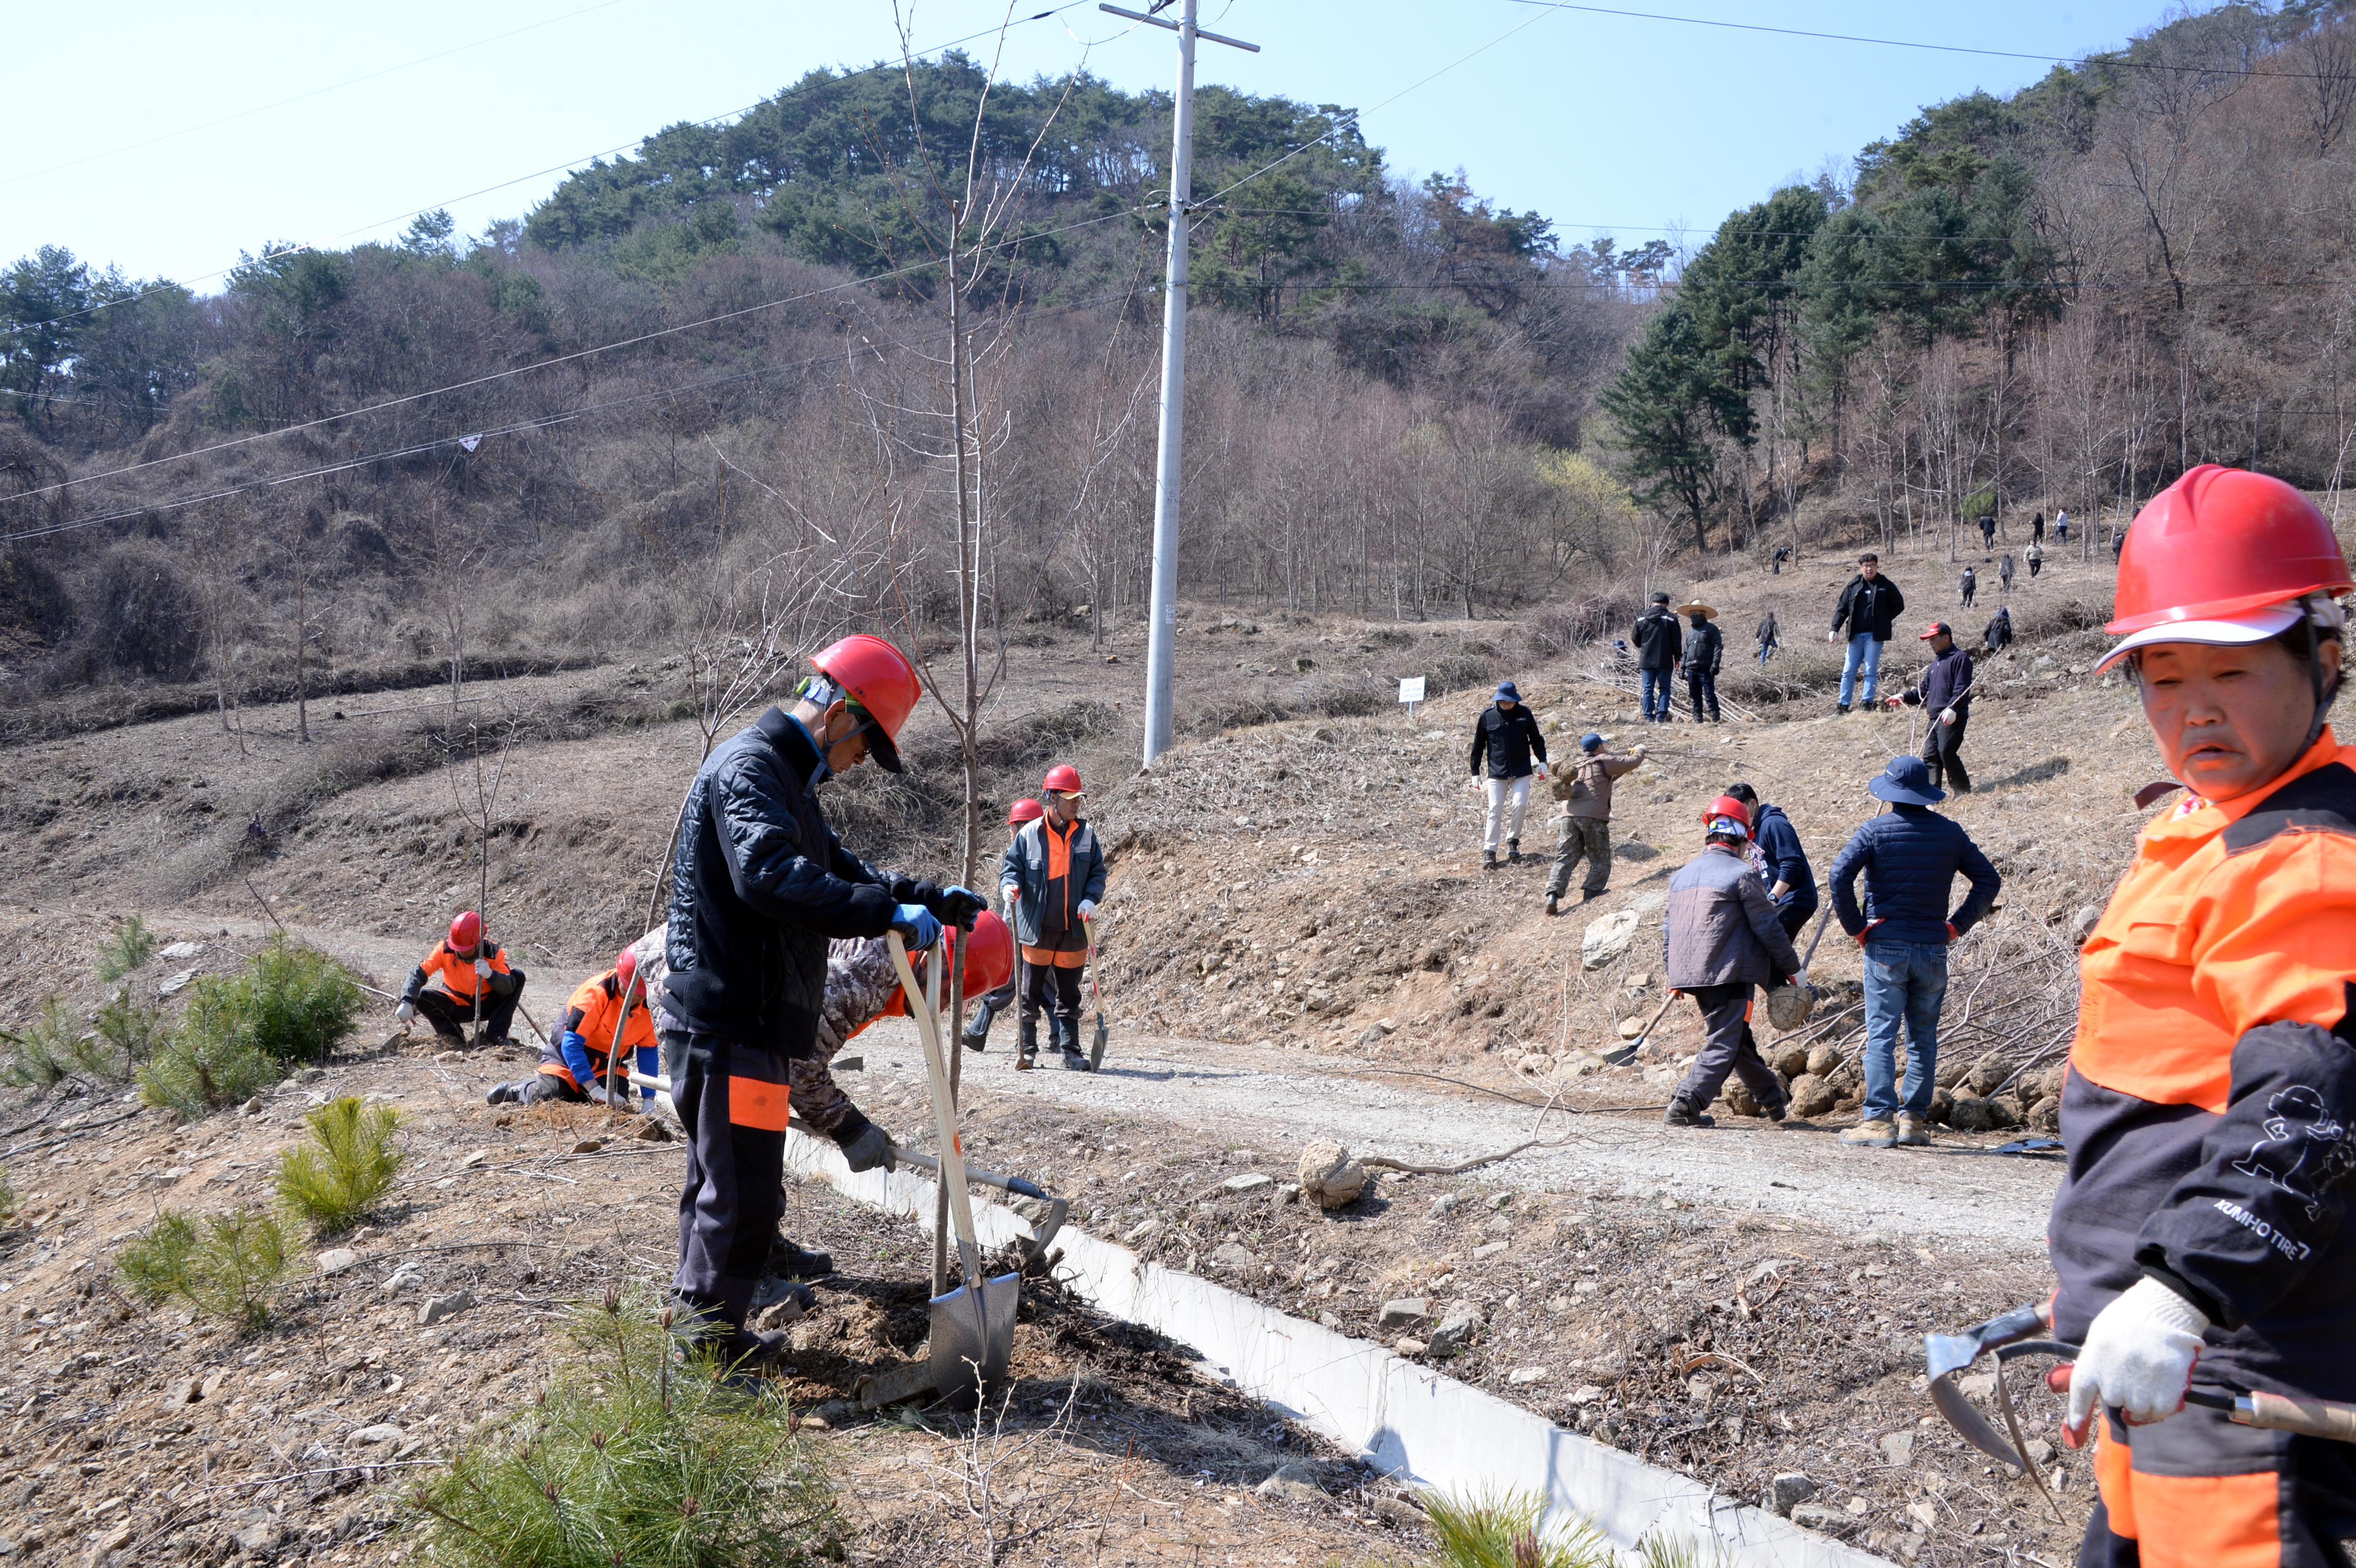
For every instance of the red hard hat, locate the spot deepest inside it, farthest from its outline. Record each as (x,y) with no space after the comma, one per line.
(1063,779)
(990,954)
(1727,805)
(625,970)
(1024,810)
(467,931)
(2220,542)
(879,677)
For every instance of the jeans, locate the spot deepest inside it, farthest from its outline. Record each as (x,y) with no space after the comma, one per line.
(1702,686)
(1657,694)
(1508,800)
(1904,980)
(1861,666)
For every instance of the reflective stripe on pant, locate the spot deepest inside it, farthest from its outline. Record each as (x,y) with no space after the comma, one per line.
(2198,1491)
(1508,800)
(1583,838)
(1728,1047)
(731,1101)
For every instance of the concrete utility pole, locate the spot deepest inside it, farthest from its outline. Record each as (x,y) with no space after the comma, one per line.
(1161,625)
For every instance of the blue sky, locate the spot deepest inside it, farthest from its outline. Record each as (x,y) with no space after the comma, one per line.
(1608,124)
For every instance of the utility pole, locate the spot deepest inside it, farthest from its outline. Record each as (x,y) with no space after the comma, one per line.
(1161,625)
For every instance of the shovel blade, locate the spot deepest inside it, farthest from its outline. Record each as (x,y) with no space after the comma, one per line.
(970,1348)
(1975,1429)
(1949,1353)
(1097,1045)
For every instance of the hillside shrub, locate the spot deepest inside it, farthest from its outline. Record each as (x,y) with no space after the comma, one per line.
(194,1073)
(144,617)
(53,1045)
(628,1457)
(131,946)
(229,1267)
(346,1169)
(131,1031)
(292,1003)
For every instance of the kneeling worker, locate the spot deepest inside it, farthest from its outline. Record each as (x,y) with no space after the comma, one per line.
(1724,938)
(477,985)
(575,1062)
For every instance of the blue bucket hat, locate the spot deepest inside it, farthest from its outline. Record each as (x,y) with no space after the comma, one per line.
(1907,782)
(1591,742)
(1508,692)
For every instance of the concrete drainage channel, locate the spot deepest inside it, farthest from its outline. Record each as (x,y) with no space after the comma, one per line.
(1405,1420)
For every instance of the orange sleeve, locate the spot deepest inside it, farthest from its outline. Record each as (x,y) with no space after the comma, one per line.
(499,960)
(2278,934)
(435,963)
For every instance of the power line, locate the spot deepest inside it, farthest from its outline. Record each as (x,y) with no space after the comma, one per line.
(304,97)
(2108,60)
(518,427)
(165,285)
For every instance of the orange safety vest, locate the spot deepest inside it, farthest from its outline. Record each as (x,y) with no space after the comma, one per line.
(458,973)
(1059,892)
(2202,944)
(595,1003)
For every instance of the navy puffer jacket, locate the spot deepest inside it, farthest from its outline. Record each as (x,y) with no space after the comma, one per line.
(1909,856)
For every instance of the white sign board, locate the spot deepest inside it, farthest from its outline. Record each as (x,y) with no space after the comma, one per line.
(1411,689)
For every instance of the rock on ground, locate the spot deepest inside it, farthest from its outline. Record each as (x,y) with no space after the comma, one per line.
(1329,1177)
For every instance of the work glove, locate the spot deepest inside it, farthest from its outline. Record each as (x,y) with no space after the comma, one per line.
(483,968)
(956,906)
(915,925)
(1012,894)
(2137,1358)
(1087,908)
(1946,716)
(598,1093)
(1833,636)
(871,1149)
(406,1011)
(1893,702)
(1800,977)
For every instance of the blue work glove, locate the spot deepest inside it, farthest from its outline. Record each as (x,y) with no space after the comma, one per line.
(576,1052)
(958,906)
(916,926)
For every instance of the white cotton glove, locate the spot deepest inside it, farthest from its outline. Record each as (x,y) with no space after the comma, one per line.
(483,968)
(1087,908)
(2138,1358)
(1800,976)
(1012,894)
(1946,716)
(1833,636)
(598,1093)
(406,1011)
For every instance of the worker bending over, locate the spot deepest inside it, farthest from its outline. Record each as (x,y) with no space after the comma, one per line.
(576,1061)
(477,985)
(1051,878)
(1723,939)
(2201,1233)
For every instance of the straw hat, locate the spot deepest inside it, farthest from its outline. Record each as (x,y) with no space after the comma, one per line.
(1696,607)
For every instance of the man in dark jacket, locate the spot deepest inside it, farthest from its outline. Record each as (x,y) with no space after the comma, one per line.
(1051,878)
(1724,939)
(1868,607)
(1945,690)
(1703,649)
(1908,856)
(1999,630)
(1505,739)
(1971,586)
(1767,637)
(1659,643)
(759,886)
(1781,863)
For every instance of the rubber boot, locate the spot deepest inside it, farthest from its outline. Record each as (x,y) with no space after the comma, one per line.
(1026,1045)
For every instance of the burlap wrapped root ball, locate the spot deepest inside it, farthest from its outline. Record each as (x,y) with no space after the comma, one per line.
(1329,1177)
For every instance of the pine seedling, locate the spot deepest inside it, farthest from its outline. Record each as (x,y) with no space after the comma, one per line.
(348,1168)
(231,1266)
(628,1457)
(131,1030)
(46,1049)
(131,946)
(194,1072)
(1506,1530)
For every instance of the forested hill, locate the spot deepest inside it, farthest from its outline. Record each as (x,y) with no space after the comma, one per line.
(2064,296)
(645,377)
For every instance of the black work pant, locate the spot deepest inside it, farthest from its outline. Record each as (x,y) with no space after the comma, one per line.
(731,1101)
(994,1003)
(1053,989)
(1971,591)
(450,1015)
(1943,753)
(1728,1047)
(1702,686)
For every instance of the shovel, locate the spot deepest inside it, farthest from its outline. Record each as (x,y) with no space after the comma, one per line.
(972,1326)
(1790,1004)
(1627,1053)
(1096,1044)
